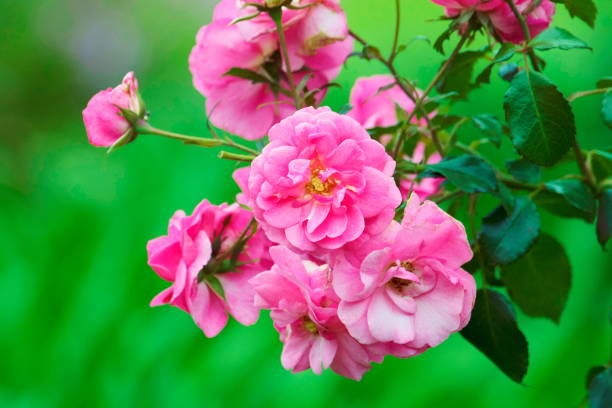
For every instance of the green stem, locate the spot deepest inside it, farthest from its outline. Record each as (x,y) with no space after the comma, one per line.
(235,156)
(277,15)
(577,95)
(589,178)
(439,75)
(396,35)
(525,28)
(144,128)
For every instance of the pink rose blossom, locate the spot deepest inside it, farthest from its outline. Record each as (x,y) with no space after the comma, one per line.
(508,27)
(303,306)
(190,257)
(411,291)
(374,104)
(502,18)
(249,109)
(104,122)
(321,182)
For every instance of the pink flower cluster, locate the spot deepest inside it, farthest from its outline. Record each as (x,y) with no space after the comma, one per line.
(315,238)
(317,44)
(500,15)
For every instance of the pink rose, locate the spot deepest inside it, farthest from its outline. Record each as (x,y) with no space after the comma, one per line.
(249,109)
(195,257)
(375,104)
(502,18)
(508,27)
(321,182)
(427,186)
(411,291)
(104,121)
(303,306)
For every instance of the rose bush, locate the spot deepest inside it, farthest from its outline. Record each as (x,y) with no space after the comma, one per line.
(350,228)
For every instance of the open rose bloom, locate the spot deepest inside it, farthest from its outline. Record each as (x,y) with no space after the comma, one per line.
(317,42)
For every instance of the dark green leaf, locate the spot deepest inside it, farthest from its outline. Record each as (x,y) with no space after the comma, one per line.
(604,219)
(469,173)
(568,198)
(585,10)
(606,109)
(600,162)
(556,37)
(524,170)
(506,51)
(494,331)
(458,76)
(600,391)
(252,76)
(485,76)
(539,281)
(505,195)
(505,237)
(541,120)
(439,43)
(490,126)
(387,130)
(605,82)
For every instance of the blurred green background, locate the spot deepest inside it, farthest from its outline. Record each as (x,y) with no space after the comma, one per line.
(75,326)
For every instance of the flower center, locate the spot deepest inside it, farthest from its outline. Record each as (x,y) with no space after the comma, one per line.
(398,284)
(310,325)
(316,185)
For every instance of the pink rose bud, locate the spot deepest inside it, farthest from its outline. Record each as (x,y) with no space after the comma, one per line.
(411,290)
(196,256)
(321,182)
(105,123)
(304,309)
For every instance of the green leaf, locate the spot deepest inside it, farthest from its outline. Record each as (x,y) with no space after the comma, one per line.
(506,51)
(458,75)
(345,109)
(494,331)
(606,109)
(568,198)
(541,120)
(560,38)
(539,281)
(524,170)
(490,126)
(600,162)
(387,130)
(605,82)
(600,391)
(604,219)
(504,236)
(252,76)
(215,284)
(585,10)
(439,43)
(468,173)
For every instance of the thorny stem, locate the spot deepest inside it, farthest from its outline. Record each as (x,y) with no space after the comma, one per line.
(521,19)
(144,128)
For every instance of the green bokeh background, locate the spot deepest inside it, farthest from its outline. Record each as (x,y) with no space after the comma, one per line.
(75,326)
